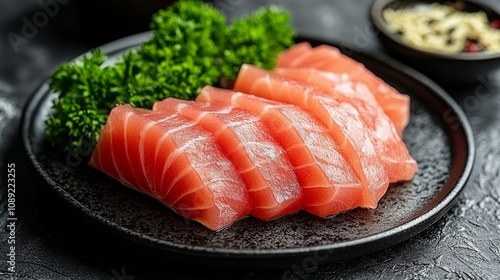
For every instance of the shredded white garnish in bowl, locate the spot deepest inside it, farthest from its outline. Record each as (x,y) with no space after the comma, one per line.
(444,28)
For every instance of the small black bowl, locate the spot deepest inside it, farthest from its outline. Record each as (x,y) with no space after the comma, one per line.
(459,68)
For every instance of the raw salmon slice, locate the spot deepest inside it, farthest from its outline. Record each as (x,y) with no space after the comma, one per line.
(341,119)
(329,184)
(398,163)
(294,54)
(182,164)
(328,58)
(272,185)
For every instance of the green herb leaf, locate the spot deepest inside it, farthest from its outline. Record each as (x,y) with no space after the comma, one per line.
(192,46)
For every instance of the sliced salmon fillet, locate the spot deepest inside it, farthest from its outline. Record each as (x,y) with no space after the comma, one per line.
(340,118)
(272,185)
(182,164)
(328,58)
(294,54)
(328,182)
(398,163)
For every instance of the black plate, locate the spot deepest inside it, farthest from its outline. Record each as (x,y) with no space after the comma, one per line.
(438,136)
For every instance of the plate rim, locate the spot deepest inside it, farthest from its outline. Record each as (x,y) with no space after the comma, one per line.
(414,226)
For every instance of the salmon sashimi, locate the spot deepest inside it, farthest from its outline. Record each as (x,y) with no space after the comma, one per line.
(170,158)
(329,184)
(297,52)
(341,119)
(398,163)
(328,58)
(272,185)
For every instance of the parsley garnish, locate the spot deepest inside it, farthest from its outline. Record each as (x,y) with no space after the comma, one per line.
(192,46)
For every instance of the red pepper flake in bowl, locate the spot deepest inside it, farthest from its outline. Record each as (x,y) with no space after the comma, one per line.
(473,46)
(495,23)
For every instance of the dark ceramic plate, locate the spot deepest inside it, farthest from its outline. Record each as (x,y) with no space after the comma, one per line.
(438,136)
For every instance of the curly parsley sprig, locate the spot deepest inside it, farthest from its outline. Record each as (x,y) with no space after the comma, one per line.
(192,46)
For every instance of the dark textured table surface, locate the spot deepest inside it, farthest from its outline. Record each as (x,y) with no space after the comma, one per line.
(51,243)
